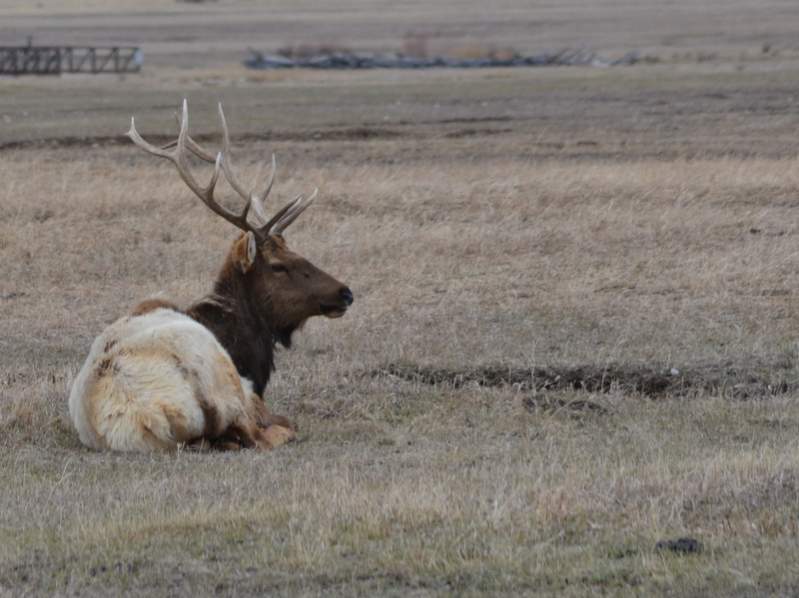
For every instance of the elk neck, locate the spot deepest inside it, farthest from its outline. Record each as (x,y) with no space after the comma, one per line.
(241,326)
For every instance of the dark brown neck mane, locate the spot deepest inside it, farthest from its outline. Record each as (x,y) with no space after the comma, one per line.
(240,326)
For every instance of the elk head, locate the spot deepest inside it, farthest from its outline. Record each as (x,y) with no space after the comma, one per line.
(285,288)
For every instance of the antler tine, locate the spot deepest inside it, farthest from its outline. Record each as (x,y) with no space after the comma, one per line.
(227,165)
(134,136)
(289,214)
(261,197)
(204,193)
(267,228)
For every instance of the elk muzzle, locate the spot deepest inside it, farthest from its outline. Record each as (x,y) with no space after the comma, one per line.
(336,309)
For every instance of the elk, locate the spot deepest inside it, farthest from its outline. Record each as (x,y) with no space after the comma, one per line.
(161,377)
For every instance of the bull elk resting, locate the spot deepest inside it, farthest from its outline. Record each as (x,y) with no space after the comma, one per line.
(162,376)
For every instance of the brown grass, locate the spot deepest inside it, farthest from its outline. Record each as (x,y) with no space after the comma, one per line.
(615,221)
(398,484)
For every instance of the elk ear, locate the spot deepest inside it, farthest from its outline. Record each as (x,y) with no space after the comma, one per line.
(244,252)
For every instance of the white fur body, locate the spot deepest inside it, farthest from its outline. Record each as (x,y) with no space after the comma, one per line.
(156,380)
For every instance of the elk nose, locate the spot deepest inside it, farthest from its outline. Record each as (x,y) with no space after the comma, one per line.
(346,294)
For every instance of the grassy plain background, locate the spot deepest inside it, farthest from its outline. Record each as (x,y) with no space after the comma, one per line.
(642,216)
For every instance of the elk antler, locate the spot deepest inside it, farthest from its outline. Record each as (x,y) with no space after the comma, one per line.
(253,199)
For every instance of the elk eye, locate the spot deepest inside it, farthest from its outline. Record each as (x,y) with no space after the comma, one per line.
(279,268)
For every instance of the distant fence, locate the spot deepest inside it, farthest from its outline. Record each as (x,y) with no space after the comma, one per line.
(54,60)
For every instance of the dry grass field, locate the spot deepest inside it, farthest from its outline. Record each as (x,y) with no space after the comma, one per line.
(574,332)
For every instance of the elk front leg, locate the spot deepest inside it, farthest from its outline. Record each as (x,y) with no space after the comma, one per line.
(240,434)
(275,430)
(228,441)
(266,418)
(254,436)
(249,434)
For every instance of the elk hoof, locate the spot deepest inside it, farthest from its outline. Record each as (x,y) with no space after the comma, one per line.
(227,445)
(276,435)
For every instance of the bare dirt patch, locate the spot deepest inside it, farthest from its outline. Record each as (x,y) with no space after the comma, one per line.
(738,382)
